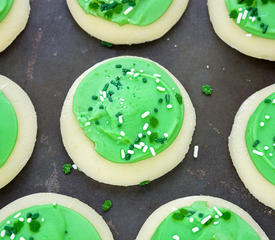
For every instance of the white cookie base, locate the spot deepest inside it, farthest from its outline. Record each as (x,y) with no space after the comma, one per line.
(27,129)
(150,226)
(14,23)
(235,36)
(49,198)
(81,148)
(127,34)
(262,189)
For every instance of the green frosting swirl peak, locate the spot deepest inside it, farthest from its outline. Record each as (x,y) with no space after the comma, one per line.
(5,6)
(130,108)
(47,222)
(200,222)
(135,12)
(254,16)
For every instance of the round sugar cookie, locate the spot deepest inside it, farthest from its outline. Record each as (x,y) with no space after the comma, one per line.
(236,37)
(115,33)
(252,178)
(108,160)
(199,222)
(27,129)
(14,22)
(43,209)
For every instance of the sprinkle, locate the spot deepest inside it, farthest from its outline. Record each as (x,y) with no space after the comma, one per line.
(270,154)
(54,203)
(104,94)
(169,106)
(239,18)
(122,99)
(145,127)
(248,35)
(162,89)
(216,216)
(21,238)
(136,75)
(196,151)
(267,117)
(266,148)
(3,232)
(17,215)
(101,98)
(273,101)
(137,146)
(29,220)
(120,119)
(140,135)
(176,237)
(218,211)
(203,221)
(131,152)
(261,124)
(144,115)
(145,148)
(122,153)
(87,124)
(149,133)
(157,75)
(74,167)
(21,219)
(157,80)
(245,14)
(215,223)
(129,9)
(12,236)
(165,135)
(141,70)
(142,144)
(191,220)
(257,152)
(153,151)
(122,133)
(42,219)
(195,229)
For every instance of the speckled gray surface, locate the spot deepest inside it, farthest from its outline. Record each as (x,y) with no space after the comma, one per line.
(53,51)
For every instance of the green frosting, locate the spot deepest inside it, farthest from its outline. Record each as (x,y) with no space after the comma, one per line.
(130,108)
(8,128)
(135,12)
(254,16)
(200,222)
(260,138)
(5,6)
(47,222)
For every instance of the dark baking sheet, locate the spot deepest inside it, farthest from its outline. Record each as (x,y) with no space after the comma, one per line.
(53,51)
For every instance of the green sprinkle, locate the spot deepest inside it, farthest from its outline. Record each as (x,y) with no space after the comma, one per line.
(145,183)
(101,107)
(144,80)
(105,87)
(127,156)
(226,215)
(180,214)
(29,215)
(96,122)
(207,90)
(34,226)
(67,168)
(18,226)
(31,238)
(107,205)
(255,144)
(106,44)
(35,216)
(160,100)
(167,98)
(179,98)
(118,66)
(233,14)
(264,1)
(93,5)
(201,215)
(153,137)
(153,122)
(94,97)
(265,29)
(267,100)
(90,109)
(156,110)
(131,147)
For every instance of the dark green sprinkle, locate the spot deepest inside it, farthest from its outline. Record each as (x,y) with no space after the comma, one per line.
(107,205)
(94,97)
(154,122)
(118,114)
(101,107)
(67,168)
(153,137)
(256,143)
(90,109)
(201,215)
(105,87)
(179,98)
(207,90)
(167,98)
(267,100)
(180,214)
(93,5)
(31,238)
(137,140)
(144,183)
(131,147)
(106,44)
(264,1)
(160,100)
(265,29)
(119,125)
(233,14)
(96,122)
(29,215)
(262,25)
(110,92)
(226,215)
(144,80)
(35,216)
(17,226)
(273,139)
(156,110)
(127,156)
(118,66)
(34,226)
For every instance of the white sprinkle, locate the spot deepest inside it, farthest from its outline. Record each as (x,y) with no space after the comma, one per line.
(136,75)
(141,70)
(266,147)
(21,219)
(142,144)
(261,124)
(145,127)
(240,9)
(42,219)
(195,229)
(87,124)
(131,152)
(196,151)
(270,154)
(267,117)
(145,148)
(120,119)
(17,215)
(74,167)
(29,220)
(215,223)
(245,14)
(130,73)
(137,146)
(122,99)
(257,152)
(218,211)
(157,80)
(22,238)
(101,98)
(119,138)
(104,94)
(203,221)
(3,232)
(149,133)
(239,18)
(207,66)
(122,153)
(216,216)
(162,89)
(8,222)
(122,133)
(144,115)
(191,219)
(253,19)
(54,203)
(153,151)
(140,135)
(176,237)
(129,9)
(101,92)
(157,75)
(273,101)
(12,236)
(169,106)
(165,135)
(248,35)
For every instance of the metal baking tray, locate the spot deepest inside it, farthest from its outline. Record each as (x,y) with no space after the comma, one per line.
(53,51)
